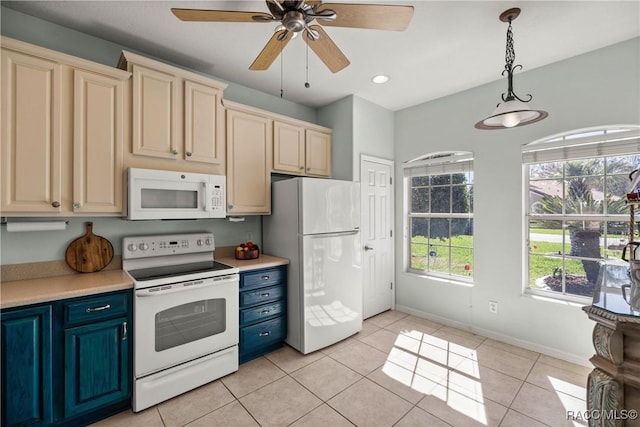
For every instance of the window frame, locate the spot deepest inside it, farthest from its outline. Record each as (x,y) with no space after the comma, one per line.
(440,163)
(581,144)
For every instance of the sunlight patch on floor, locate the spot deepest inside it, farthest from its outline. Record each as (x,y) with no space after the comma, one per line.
(439,368)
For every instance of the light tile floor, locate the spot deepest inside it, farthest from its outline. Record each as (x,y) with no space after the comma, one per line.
(400,370)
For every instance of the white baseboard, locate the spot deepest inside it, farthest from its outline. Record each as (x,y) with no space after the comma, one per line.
(569,357)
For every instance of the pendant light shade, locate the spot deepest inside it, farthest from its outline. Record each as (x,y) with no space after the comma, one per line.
(513,111)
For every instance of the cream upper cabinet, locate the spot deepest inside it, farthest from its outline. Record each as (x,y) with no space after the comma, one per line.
(31,133)
(177,118)
(203,124)
(155,113)
(98,142)
(62,133)
(318,153)
(249,159)
(299,150)
(288,148)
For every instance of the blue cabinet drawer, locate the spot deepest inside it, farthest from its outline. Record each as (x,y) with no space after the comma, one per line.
(263,334)
(263,277)
(261,312)
(263,295)
(92,309)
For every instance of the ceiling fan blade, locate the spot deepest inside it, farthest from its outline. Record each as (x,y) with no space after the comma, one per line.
(326,49)
(272,49)
(204,15)
(372,16)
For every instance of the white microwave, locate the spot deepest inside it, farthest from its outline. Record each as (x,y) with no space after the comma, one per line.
(160,194)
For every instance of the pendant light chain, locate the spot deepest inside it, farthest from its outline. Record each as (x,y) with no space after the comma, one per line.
(510,54)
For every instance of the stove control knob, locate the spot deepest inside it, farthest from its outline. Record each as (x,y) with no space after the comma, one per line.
(144,246)
(199,242)
(207,242)
(132,247)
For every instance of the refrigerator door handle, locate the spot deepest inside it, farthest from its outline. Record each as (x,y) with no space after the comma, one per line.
(339,233)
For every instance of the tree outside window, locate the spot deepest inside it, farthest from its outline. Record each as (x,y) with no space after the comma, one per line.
(578,221)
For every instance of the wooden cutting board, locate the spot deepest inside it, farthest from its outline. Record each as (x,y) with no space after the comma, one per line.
(89,253)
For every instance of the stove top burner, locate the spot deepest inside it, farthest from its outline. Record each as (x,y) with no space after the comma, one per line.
(165,271)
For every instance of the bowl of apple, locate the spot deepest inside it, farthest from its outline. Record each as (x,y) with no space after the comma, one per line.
(247,250)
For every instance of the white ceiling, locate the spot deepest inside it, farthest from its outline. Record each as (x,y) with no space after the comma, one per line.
(449,46)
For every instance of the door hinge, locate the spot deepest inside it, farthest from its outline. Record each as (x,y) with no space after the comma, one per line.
(390,181)
(390,233)
(391,285)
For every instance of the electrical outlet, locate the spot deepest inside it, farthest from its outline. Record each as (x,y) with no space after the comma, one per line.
(493,307)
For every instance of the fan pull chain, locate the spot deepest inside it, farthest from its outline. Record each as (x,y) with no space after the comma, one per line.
(306,83)
(281,69)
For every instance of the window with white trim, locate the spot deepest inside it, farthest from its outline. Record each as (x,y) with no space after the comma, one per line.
(439,218)
(577,219)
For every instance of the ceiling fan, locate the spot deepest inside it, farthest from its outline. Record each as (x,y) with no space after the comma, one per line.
(296,16)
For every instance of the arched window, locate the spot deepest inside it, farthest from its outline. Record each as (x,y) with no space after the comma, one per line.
(439,219)
(577,219)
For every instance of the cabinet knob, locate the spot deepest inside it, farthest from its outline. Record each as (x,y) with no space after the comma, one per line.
(175,152)
(55,204)
(230,207)
(188,153)
(301,167)
(76,205)
(308,169)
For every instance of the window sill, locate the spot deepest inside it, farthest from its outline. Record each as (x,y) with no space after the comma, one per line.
(441,279)
(578,302)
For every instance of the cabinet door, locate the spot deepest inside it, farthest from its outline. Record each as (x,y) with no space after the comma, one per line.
(98,138)
(288,148)
(249,144)
(203,125)
(318,153)
(31,134)
(155,113)
(96,366)
(26,367)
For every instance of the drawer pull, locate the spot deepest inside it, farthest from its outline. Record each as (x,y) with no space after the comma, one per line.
(104,307)
(265,334)
(265,277)
(265,312)
(266,294)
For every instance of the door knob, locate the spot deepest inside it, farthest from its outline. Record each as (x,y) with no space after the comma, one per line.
(368,248)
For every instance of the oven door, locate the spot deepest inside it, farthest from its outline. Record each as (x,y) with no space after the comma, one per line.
(181,322)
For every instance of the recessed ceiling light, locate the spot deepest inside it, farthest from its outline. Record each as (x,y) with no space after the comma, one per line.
(380,78)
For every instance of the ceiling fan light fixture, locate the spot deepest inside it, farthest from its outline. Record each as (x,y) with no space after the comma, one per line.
(380,78)
(513,111)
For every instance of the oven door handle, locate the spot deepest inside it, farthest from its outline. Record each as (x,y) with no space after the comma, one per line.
(157,291)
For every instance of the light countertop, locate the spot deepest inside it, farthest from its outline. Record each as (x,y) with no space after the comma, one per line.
(31,291)
(263,261)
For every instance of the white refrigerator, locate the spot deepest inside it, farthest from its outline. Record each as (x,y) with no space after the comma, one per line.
(315,223)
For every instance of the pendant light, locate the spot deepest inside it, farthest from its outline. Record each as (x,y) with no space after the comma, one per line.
(513,111)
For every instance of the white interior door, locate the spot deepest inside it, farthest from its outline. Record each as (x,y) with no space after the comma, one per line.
(377,238)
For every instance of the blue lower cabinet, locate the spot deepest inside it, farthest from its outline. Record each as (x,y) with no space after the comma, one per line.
(26,367)
(96,366)
(263,314)
(64,366)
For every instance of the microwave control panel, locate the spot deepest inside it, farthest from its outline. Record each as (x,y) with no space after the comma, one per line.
(217,199)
